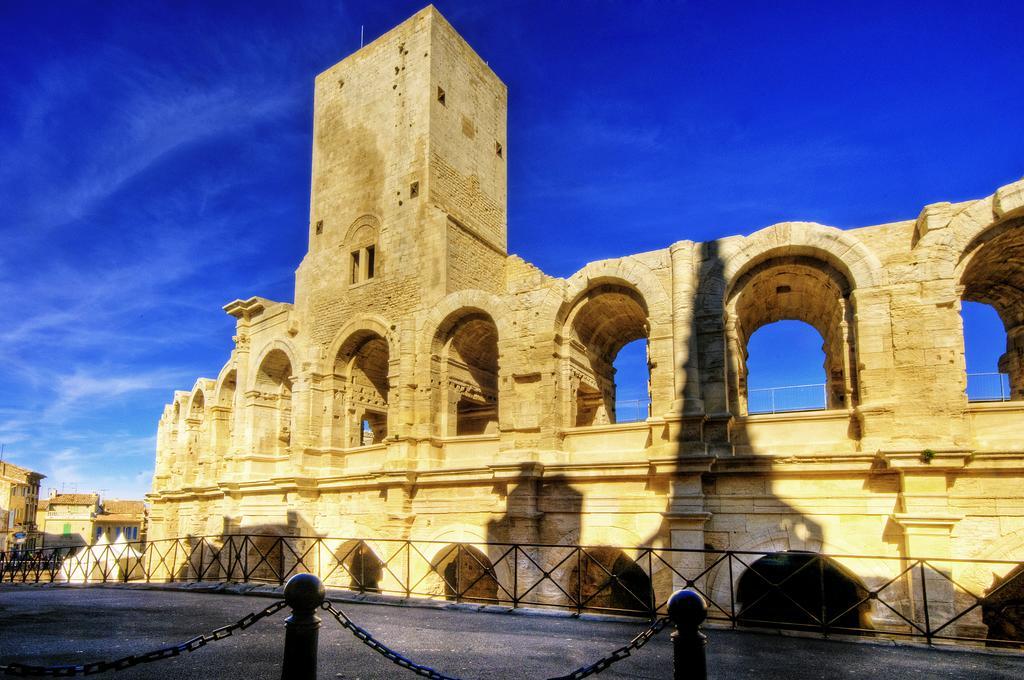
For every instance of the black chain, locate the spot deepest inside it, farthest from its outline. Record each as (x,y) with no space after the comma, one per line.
(366,638)
(382,649)
(618,655)
(22,670)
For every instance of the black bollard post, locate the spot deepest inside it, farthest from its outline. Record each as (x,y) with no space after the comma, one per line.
(687,611)
(304,594)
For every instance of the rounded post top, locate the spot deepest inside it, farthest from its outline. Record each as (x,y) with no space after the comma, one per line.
(304,592)
(687,609)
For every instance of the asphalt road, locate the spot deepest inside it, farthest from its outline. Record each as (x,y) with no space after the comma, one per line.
(59,625)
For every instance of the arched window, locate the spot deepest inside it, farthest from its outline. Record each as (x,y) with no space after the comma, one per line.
(361,391)
(605,320)
(786,366)
(467,352)
(226,413)
(795,288)
(364,253)
(272,420)
(993,274)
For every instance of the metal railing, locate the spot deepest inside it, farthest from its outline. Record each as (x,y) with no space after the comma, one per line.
(787,398)
(988,387)
(929,599)
(632,410)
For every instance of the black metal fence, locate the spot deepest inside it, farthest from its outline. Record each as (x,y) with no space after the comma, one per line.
(978,601)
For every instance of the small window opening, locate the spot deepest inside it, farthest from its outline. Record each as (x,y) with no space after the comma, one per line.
(370,261)
(414,190)
(783,289)
(498,149)
(319,227)
(355,267)
(440,96)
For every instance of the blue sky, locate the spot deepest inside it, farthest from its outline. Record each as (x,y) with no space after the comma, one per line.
(154,163)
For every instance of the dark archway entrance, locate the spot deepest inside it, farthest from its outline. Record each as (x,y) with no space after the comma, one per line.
(468,574)
(801,590)
(607,579)
(1003,608)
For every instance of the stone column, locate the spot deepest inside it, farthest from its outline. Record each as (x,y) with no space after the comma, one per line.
(687,360)
(1012,362)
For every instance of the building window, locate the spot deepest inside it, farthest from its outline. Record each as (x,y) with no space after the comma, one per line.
(67,529)
(99,531)
(364,264)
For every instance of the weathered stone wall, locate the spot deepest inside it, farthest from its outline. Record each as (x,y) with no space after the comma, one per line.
(467,339)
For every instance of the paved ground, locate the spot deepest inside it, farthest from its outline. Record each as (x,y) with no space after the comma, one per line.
(51,625)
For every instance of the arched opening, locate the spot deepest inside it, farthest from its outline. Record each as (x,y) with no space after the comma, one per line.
(264,559)
(226,412)
(362,568)
(272,419)
(994,276)
(467,574)
(786,368)
(801,590)
(361,391)
(468,375)
(1003,608)
(605,320)
(198,407)
(607,579)
(794,288)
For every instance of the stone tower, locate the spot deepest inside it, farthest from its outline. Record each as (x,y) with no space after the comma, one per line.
(409,175)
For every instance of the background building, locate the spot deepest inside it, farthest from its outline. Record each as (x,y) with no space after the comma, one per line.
(19,497)
(76,519)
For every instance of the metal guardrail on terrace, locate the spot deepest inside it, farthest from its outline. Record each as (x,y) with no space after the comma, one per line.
(787,398)
(988,387)
(632,410)
(977,601)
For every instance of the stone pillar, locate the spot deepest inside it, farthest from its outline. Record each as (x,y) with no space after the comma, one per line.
(686,359)
(1012,362)
(933,596)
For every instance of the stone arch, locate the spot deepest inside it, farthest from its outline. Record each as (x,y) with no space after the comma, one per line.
(365,322)
(466,573)
(990,270)
(362,569)
(797,537)
(224,412)
(465,300)
(197,404)
(608,579)
(463,339)
(468,534)
(362,366)
(971,223)
(731,263)
(271,400)
(624,301)
(280,345)
(797,288)
(798,589)
(840,249)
